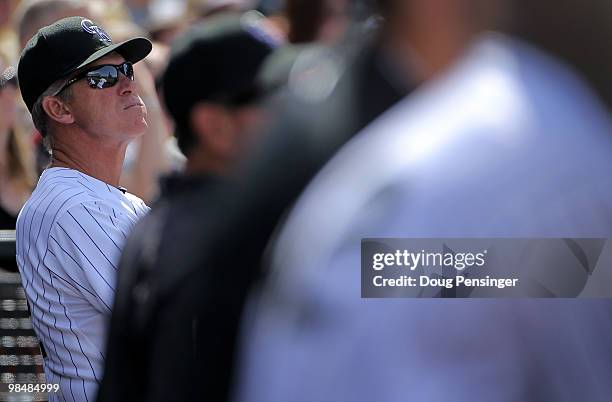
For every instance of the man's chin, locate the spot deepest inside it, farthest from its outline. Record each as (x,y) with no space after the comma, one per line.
(140,130)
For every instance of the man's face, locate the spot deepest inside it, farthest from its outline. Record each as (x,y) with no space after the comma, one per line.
(111,114)
(248,121)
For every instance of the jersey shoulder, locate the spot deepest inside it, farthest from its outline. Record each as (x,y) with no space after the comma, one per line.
(58,191)
(51,199)
(138,204)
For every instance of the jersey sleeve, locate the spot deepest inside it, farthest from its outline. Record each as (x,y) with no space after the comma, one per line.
(86,243)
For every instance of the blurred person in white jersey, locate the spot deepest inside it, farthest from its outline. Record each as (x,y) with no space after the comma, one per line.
(514,141)
(79,87)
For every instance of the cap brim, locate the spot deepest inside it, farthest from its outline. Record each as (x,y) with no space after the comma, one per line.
(133,50)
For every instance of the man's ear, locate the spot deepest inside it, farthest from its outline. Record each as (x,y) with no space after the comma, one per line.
(57,110)
(212,126)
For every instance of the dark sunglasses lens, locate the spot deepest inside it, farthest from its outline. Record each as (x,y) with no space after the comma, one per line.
(102,77)
(128,70)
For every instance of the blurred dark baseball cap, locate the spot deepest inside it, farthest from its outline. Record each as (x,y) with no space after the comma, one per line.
(216,61)
(64,47)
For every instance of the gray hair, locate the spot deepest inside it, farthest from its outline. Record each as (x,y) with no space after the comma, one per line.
(40,117)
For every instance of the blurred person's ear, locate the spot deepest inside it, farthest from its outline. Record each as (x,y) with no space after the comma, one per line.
(214,129)
(57,110)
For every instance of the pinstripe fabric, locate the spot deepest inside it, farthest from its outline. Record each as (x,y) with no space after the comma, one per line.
(69,239)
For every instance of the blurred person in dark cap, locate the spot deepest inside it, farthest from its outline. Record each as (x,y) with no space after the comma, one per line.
(515,140)
(212,120)
(210,90)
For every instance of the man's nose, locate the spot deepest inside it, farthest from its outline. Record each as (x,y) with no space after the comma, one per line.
(126,85)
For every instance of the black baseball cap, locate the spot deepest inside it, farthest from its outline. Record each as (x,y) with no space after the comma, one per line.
(64,47)
(217,61)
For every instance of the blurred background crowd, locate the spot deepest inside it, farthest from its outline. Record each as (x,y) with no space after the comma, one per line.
(495,123)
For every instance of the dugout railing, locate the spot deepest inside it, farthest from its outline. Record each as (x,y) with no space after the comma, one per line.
(20,358)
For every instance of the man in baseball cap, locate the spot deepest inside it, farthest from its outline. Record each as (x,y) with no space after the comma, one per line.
(69,45)
(210,86)
(79,87)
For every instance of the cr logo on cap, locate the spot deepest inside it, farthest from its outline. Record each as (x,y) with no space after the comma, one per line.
(90,27)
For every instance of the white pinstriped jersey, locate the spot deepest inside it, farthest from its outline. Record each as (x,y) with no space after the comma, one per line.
(69,239)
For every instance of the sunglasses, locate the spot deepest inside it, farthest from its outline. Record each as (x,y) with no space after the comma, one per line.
(104,76)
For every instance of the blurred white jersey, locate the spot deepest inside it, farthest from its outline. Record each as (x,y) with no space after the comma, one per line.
(69,239)
(508,143)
